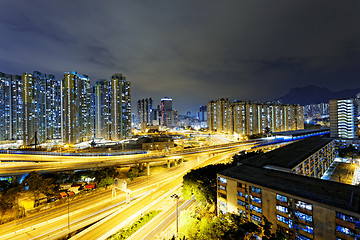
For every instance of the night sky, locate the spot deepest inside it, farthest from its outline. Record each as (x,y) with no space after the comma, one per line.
(192,51)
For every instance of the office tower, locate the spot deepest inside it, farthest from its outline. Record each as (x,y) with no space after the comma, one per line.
(248,118)
(76,108)
(155,116)
(172,118)
(10,107)
(166,108)
(145,110)
(103,109)
(202,114)
(41,108)
(120,107)
(343,118)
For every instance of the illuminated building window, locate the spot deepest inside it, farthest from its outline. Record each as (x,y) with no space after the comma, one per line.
(240,194)
(282,209)
(255,208)
(221,187)
(256,199)
(344,217)
(256,218)
(241,203)
(285,220)
(304,205)
(222,180)
(303,216)
(304,228)
(255,189)
(281,198)
(345,230)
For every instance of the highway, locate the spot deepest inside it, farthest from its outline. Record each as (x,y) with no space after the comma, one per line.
(114,223)
(23,164)
(164,224)
(59,221)
(53,223)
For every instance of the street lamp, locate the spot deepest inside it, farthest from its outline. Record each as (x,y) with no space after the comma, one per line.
(177,212)
(68,213)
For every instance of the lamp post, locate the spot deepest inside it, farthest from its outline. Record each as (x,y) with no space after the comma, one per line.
(68,213)
(177,212)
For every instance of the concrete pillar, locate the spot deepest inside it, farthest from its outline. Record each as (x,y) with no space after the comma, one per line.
(148,169)
(168,163)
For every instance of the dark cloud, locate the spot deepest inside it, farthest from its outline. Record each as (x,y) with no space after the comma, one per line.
(192,51)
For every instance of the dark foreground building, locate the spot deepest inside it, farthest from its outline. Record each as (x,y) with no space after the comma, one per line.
(302,207)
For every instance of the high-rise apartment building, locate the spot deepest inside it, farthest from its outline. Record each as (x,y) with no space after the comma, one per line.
(145,111)
(52,107)
(211,115)
(93,112)
(10,107)
(248,118)
(76,108)
(120,107)
(343,118)
(103,109)
(41,107)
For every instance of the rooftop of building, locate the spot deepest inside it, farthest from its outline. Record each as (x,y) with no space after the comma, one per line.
(301,132)
(326,192)
(291,155)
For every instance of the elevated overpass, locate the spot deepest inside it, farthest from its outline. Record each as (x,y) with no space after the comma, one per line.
(22,163)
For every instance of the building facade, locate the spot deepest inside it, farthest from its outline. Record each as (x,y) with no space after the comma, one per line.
(277,186)
(343,118)
(301,207)
(120,107)
(76,108)
(169,117)
(11,104)
(103,109)
(248,118)
(41,108)
(145,111)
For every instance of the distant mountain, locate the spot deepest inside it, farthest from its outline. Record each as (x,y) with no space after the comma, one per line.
(313,94)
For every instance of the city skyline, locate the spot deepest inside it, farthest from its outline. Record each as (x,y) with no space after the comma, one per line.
(185,50)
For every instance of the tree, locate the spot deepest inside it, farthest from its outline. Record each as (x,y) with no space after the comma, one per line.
(104,182)
(8,199)
(136,170)
(201,225)
(37,184)
(202,183)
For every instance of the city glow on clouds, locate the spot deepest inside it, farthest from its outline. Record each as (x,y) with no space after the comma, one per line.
(191,51)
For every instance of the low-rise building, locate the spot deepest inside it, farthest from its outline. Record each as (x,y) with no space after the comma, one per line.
(308,157)
(299,206)
(285,186)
